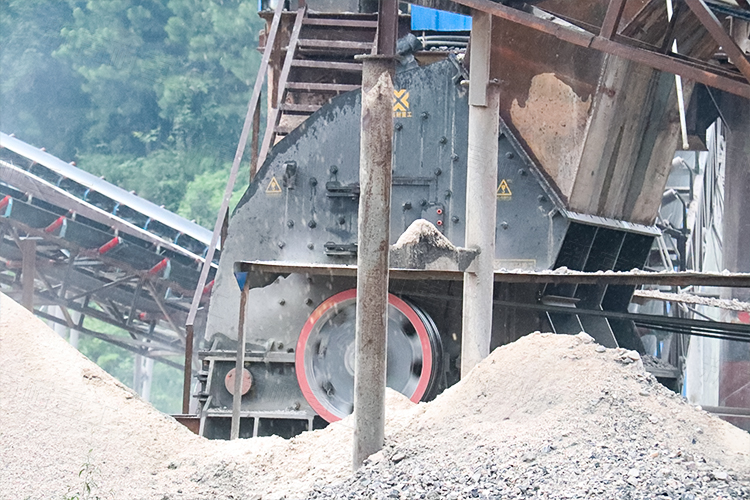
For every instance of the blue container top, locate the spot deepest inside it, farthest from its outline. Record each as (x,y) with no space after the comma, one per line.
(426,19)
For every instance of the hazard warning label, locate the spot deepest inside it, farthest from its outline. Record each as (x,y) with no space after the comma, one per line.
(503,190)
(273,187)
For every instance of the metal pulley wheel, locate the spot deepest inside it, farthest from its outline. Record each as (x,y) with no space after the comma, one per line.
(325,354)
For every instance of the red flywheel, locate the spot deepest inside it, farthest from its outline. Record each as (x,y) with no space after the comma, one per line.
(325,354)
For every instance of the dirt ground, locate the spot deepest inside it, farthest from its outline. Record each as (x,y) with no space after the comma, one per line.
(546,417)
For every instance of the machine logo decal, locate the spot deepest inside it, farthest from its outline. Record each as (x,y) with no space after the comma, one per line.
(273,187)
(503,191)
(401,104)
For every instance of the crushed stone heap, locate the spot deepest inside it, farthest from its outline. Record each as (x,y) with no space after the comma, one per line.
(547,417)
(556,417)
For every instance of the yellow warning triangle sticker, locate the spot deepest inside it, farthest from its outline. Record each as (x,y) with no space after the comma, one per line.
(273,187)
(503,190)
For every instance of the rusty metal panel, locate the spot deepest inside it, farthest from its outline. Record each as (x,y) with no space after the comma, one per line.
(603,128)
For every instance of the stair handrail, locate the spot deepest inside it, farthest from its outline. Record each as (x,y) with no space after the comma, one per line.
(275,112)
(223,210)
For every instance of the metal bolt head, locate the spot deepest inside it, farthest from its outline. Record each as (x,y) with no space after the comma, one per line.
(282,302)
(310,246)
(423,203)
(407,205)
(522,172)
(290,223)
(281,244)
(312,224)
(443,140)
(438,171)
(541,198)
(454,157)
(425,115)
(448,193)
(308,301)
(398,126)
(455,219)
(504,225)
(333,169)
(342,220)
(509,155)
(313,182)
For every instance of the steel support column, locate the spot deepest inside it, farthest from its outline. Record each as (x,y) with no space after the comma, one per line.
(481,203)
(734,364)
(28,272)
(376,145)
(239,365)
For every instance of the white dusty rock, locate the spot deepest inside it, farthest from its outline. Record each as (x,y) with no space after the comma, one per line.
(547,417)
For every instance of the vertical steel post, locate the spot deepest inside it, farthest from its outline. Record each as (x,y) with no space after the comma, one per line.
(481,203)
(734,357)
(239,365)
(28,272)
(188,368)
(376,145)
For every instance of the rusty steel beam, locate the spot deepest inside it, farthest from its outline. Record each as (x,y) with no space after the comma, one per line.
(375,174)
(654,60)
(28,272)
(224,209)
(239,365)
(612,19)
(120,281)
(735,280)
(127,344)
(163,309)
(254,101)
(387,33)
(187,374)
(481,201)
(714,27)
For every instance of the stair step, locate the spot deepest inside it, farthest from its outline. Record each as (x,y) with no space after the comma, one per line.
(334,44)
(340,23)
(321,87)
(299,108)
(341,66)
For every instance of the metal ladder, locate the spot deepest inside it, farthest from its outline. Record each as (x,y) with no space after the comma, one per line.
(319,64)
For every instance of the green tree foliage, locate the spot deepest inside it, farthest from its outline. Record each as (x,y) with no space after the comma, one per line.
(203,197)
(150,94)
(163,74)
(41,98)
(162,176)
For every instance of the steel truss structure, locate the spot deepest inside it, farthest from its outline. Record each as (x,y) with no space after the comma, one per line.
(95,251)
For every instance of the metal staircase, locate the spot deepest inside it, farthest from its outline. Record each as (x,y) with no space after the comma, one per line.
(319,63)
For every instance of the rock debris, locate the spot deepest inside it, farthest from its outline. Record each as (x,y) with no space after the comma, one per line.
(547,417)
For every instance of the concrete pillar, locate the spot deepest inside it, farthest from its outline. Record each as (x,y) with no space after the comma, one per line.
(376,146)
(481,201)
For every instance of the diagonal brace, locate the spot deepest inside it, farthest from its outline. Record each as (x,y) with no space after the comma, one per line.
(714,27)
(612,18)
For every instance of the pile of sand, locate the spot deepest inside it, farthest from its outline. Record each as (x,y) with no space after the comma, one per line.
(545,401)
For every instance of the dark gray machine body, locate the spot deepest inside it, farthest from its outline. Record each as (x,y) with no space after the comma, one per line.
(302,209)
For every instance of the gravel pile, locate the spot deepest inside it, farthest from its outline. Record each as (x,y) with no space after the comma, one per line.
(556,417)
(547,417)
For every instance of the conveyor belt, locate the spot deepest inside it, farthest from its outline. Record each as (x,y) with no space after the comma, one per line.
(101,251)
